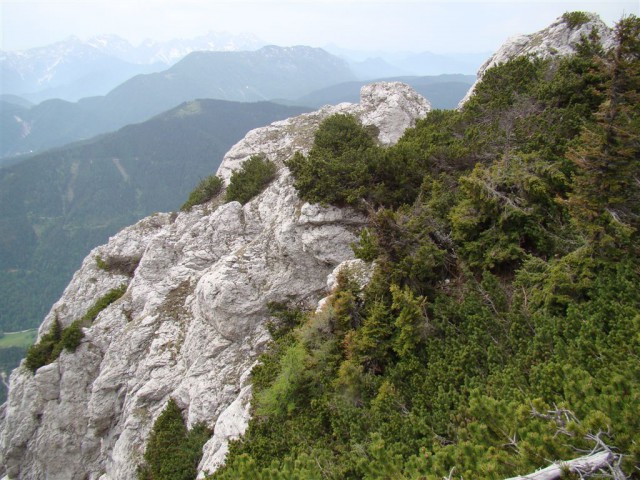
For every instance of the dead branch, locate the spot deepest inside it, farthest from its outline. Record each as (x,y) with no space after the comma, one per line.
(602,462)
(601,459)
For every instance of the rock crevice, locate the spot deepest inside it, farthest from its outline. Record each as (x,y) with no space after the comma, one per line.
(191,324)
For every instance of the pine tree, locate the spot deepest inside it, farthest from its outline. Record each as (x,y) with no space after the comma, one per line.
(372,345)
(607,192)
(410,320)
(166,455)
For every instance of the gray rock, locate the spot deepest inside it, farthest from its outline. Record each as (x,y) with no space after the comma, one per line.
(191,323)
(557,40)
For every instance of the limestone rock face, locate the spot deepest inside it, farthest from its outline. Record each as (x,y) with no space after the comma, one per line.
(392,107)
(557,40)
(191,323)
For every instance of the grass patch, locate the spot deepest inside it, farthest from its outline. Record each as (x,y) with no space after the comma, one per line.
(19,339)
(103,302)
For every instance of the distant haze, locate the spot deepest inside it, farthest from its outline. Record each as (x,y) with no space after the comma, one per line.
(436,26)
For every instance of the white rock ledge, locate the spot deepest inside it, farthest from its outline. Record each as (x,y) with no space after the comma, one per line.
(190,325)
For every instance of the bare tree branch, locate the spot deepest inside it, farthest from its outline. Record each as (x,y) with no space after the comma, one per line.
(604,461)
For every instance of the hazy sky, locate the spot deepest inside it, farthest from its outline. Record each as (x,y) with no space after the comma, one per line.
(437,26)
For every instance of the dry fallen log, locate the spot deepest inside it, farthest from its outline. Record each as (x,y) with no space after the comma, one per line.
(582,466)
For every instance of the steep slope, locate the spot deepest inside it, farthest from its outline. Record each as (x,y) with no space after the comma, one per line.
(58,205)
(271,72)
(499,331)
(558,39)
(191,323)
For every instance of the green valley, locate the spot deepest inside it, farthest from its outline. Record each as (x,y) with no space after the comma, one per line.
(56,206)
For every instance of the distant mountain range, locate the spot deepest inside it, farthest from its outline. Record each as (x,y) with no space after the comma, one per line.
(72,69)
(442,91)
(377,64)
(268,73)
(56,206)
(169,52)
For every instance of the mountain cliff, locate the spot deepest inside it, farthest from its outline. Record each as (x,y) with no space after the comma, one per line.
(191,323)
(496,332)
(87,192)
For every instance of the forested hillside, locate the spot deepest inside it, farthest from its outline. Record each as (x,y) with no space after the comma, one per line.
(56,206)
(269,73)
(500,330)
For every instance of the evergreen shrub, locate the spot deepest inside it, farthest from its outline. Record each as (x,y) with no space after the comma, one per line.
(48,349)
(254,176)
(207,189)
(575,19)
(172,451)
(499,332)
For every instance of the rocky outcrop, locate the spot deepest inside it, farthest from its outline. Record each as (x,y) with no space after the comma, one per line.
(557,40)
(191,323)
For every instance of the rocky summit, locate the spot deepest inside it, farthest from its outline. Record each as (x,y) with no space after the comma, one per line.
(192,321)
(558,39)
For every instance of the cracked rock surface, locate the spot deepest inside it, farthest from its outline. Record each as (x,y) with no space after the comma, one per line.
(191,323)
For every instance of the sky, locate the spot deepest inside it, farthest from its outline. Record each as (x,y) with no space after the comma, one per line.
(401,25)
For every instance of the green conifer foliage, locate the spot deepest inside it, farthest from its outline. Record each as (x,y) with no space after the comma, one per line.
(607,194)
(256,173)
(207,189)
(575,19)
(337,170)
(173,452)
(42,353)
(372,345)
(48,349)
(103,302)
(500,329)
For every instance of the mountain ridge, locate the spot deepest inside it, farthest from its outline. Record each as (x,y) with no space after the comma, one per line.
(271,72)
(560,38)
(71,69)
(193,319)
(278,245)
